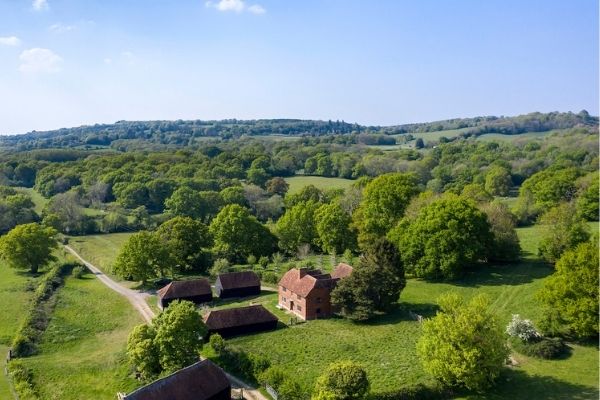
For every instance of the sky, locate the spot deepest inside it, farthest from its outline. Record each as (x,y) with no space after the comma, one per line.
(66,63)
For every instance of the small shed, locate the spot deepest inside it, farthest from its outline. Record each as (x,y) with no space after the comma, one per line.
(195,290)
(239,321)
(237,284)
(200,381)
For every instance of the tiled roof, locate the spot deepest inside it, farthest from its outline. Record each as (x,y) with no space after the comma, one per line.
(241,316)
(235,280)
(341,271)
(189,288)
(199,381)
(302,281)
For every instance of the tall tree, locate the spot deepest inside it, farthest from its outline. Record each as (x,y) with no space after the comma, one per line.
(563,229)
(142,257)
(498,181)
(186,239)
(297,226)
(333,226)
(28,246)
(185,202)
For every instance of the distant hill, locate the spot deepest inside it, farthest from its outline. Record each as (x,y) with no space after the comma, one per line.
(160,134)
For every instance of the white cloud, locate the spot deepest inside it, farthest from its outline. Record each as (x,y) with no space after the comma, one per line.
(60,28)
(237,6)
(40,5)
(10,41)
(38,60)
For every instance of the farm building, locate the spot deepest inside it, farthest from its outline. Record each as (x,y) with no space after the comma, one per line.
(237,284)
(307,293)
(200,381)
(195,290)
(238,321)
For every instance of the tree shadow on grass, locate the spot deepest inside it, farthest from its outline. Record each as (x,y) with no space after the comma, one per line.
(516,384)
(506,274)
(405,312)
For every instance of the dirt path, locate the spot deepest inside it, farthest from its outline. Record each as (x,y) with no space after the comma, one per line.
(138,300)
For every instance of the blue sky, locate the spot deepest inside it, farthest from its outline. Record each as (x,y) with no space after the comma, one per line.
(71,62)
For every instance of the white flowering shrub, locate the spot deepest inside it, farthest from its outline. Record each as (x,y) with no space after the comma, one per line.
(522,328)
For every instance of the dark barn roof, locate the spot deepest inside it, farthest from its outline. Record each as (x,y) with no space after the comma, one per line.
(190,288)
(234,280)
(236,317)
(200,381)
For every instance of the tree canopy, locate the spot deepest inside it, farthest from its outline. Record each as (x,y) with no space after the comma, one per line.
(28,246)
(143,256)
(342,380)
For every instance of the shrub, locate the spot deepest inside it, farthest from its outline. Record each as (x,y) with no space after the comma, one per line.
(547,348)
(217,343)
(78,272)
(263,261)
(22,380)
(219,266)
(522,329)
(270,277)
(251,260)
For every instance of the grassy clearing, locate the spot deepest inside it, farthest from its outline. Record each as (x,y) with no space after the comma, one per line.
(298,182)
(100,250)
(39,200)
(82,353)
(386,347)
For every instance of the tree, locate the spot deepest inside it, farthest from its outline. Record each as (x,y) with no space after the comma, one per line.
(498,181)
(464,344)
(587,201)
(570,294)
(234,195)
(297,226)
(551,186)
(65,209)
(342,380)
(185,202)
(143,256)
(505,246)
(374,285)
(277,185)
(419,143)
(28,246)
(563,230)
(333,226)
(179,333)
(142,352)
(258,176)
(307,193)
(447,235)
(384,200)
(237,234)
(186,238)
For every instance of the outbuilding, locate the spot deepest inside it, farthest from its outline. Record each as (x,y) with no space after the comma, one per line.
(237,284)
(200,381)
(195,290)
(238,321)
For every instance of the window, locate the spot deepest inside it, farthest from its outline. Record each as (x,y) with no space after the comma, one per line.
(284,299)
(318,311)
(284,289)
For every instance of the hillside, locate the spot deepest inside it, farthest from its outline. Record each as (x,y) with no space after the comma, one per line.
(127,135)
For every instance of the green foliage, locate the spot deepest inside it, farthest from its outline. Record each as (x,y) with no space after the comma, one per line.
(587,200)
(384,200)
(463,345)
(179,333)
(220,266)
(551,186)
(343,380)
(297,226)
(28,246)
(505,246)
(22,379)
(498,181)
(237,234)
(78,272)
(546,348)
(446,236)
(15,209)
(563,230)
(186,240)
(570,295)
(185,202)
(216,343)
(142,351)
(333,226)
(142,257)
(278,186)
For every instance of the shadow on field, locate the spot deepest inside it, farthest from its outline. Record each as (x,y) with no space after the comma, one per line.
(403,313)
(516,384)
(508,274)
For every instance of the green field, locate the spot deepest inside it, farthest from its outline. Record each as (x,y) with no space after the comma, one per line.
(82,353)
(511,138)
(39,200)
(100,250)
(298,182)
(386,347)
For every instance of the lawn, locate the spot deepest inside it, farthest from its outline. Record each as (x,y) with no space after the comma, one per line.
(298,182)
(100,250)
(82,353)
(386,347)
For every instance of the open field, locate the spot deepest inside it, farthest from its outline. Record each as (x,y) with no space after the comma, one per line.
(298,182)
(100,250)
(82,353)
(386,346)
(497,137)
(39,200)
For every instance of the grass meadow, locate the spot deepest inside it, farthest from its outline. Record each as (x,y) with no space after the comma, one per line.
(298,182)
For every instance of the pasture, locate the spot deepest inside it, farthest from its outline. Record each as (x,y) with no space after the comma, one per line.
(298,182)
(100,250)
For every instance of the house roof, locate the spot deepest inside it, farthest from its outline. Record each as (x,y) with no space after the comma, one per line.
(189,288)
(303,281)
(199,381)
(241,316)
(235,280)
(341,271)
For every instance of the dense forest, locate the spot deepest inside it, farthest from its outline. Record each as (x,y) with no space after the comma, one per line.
(152,135)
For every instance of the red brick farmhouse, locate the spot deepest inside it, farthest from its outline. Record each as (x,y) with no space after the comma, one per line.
(307,293)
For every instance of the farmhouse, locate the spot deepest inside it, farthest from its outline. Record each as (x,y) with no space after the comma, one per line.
(307,293)
(241,320)
(200,381)
(237,284)
(195,290)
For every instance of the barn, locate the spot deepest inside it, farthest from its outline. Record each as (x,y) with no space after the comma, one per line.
(195,290)
(200,381)
(237,284)
(239,321)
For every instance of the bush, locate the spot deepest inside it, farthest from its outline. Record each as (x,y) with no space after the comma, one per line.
(219,266)
(263,261)
(251,260)
(546,348)
(270,277)
(217,343)
(78,272)
(522,329)
(22,380)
